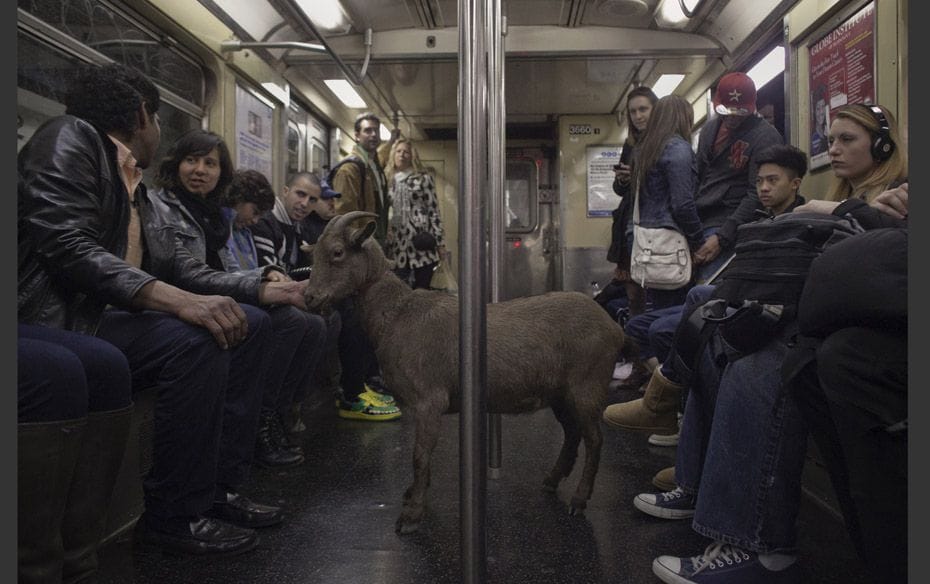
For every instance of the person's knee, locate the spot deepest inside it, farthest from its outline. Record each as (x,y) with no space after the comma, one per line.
(51,384)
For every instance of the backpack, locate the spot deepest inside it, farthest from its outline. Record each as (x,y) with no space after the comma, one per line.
(354,160)
(760,289)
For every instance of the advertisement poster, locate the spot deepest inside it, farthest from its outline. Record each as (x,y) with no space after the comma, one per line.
(253,132)
(842,71)
(601,197)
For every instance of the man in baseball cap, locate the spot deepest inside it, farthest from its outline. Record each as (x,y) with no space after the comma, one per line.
(735,95)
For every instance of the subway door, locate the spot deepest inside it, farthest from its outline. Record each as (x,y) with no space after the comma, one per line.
(531,251)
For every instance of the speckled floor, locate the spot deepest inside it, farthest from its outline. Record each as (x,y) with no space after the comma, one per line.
(342,503)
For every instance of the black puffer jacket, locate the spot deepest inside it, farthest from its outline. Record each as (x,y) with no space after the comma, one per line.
(73,212)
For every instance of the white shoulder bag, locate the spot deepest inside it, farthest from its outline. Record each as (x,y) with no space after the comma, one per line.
(661,257)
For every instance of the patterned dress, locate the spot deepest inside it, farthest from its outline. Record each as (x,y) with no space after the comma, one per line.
(414,209)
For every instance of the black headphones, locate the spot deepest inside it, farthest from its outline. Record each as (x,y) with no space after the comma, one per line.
(883,146)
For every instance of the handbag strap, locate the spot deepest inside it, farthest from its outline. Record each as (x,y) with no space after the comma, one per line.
(636,202)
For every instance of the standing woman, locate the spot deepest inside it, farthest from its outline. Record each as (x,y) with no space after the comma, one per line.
(640,102)
(666,175)
(415,239)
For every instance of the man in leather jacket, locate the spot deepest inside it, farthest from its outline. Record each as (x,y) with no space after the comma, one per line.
(84,266)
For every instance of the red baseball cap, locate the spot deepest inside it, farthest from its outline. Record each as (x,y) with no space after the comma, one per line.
(735,95)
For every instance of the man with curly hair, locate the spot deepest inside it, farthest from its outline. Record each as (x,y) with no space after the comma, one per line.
(85,265)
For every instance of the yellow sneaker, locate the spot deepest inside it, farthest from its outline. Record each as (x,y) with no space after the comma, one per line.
(375,398)
(360,410)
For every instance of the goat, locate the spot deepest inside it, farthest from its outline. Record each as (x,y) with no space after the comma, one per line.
(557,350)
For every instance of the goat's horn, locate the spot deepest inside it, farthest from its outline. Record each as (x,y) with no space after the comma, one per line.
(339,222)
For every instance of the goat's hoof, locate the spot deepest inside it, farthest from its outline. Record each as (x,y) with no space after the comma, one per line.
(577,507)
(405,527)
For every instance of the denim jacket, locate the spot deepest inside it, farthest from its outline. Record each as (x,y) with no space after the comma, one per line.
(666,199)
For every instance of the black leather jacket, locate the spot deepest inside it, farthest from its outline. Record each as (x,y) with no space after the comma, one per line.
(73,220)
(73,212)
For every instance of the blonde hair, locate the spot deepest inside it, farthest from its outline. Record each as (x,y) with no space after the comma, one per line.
(389,169)
(885,172)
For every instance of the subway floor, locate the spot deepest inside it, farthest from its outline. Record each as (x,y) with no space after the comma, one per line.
(343,501)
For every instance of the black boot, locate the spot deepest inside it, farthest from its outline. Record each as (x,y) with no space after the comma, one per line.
(267,451)
(91,488)
(281,438)
(48,453)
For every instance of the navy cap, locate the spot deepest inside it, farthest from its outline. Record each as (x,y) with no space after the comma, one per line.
(327,191)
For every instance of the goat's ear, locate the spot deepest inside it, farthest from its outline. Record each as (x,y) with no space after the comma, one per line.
(307,248)
(358,236)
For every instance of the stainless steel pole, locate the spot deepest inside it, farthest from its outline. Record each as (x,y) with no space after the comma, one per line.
(497,137)
(473,184)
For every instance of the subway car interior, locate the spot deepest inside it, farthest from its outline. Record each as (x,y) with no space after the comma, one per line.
(523,185)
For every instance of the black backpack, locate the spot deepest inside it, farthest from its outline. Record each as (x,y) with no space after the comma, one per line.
(760,289)
(354,160)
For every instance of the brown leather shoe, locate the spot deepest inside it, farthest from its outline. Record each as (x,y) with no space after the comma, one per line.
(240,510)
(198,536)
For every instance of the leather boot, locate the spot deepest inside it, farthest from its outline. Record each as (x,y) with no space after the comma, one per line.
(665,479)
(279,436)
(95,475)
(654,413)
(267,451)
(48,453)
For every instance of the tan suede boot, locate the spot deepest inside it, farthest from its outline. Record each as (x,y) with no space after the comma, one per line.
(654,413)
(665,479)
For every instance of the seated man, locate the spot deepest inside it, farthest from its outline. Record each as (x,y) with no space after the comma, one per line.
(81,258)
(848,374)
(278,237)
(73,411)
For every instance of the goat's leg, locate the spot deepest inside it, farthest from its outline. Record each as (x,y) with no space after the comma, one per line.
(427,435)
(593,440)
(569,453)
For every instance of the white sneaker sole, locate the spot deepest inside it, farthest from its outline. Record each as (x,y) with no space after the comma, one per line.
(663,439)
(661,512)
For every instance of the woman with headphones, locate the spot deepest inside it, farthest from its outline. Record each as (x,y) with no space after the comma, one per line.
(867,164)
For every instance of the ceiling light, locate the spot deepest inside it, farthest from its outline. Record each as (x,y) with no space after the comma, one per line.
(326,14)
(671,15)
(667,83)
(384,133)
(770,66)
(346,93)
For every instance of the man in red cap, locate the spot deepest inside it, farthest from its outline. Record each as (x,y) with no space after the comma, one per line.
(727,147)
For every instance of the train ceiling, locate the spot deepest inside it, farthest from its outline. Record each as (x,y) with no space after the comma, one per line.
(411,72)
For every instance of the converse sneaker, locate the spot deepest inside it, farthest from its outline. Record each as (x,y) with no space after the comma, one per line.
(675,504)
(726,564)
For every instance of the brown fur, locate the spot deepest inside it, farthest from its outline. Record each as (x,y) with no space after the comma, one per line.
(555,350)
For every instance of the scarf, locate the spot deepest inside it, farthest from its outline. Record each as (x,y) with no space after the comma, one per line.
(209,216)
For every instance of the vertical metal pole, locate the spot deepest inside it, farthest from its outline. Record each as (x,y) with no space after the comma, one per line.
(497,136)
(473,184)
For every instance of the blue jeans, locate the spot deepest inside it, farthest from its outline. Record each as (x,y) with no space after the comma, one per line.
(742,449)
(299,339)
(207,408)
(653,330)
(63,375)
